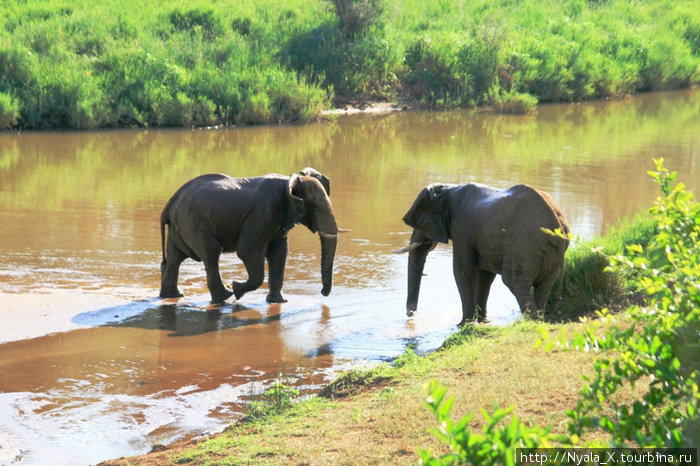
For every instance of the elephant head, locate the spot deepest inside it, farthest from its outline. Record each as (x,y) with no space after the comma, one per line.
(430,218)
(313,209)
(325,182)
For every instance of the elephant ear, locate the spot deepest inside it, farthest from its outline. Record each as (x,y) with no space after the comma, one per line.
(430,214)
(297,209)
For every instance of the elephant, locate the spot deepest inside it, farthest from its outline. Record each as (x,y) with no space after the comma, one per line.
(493,231)
(216,213)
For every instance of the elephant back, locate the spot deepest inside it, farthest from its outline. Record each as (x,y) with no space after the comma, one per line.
(538,210)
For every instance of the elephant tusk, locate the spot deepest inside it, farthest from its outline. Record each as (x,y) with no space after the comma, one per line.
(327,235)
(343,230)
(408,248)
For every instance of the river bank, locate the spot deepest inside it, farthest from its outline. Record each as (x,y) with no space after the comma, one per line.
(77,65)
(383,419)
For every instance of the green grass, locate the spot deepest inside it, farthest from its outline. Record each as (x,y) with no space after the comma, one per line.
(83,64)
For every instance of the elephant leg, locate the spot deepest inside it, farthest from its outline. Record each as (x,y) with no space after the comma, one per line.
(523,295)
(482,293)
(465,276)
(170,270)
(542,289)
(276,260)
(219,293)
(519,283)
(254,261)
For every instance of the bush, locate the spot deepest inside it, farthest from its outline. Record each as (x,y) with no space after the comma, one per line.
(9,111)
(588,284)
(196,21)
(433,76)
(660,349)
(350,57)
(514,103)
(277,399)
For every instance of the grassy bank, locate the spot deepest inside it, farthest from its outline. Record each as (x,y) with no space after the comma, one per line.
(81,64)
(380,417)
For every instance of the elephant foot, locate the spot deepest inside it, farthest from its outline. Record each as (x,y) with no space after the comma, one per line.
(276,297)
(170,293)
(465,321)
(239,289)
(221,296)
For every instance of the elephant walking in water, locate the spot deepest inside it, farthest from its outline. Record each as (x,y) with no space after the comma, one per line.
(493,231)
(216,213)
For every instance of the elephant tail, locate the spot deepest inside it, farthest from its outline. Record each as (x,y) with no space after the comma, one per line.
(164,220)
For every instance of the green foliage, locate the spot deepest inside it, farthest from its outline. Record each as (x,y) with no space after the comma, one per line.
(497,445)
(588,283)
(514,103)
(357,16)
(277,399)
(144,64)
(83,64)
(196,22)
(657,352)
(660,349)
(350,55)
(9,110)
(466,333)
(352,381)
(433,76)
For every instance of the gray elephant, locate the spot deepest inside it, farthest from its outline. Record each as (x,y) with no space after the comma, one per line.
(216,213)
(493,231)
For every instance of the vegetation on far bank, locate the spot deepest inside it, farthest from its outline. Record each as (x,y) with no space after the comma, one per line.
(81,64)
(642,391)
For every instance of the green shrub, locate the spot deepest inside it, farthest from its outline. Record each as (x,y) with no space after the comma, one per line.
(9,111)
(196,21)
(588,285)
(659,351)
(357,16)
(277,399)
(432,75)
(514,103)
(351,57)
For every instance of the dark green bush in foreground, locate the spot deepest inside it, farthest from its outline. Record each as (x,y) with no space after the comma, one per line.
(655,350)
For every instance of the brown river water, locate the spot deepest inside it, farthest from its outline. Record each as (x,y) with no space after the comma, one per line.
(94,366)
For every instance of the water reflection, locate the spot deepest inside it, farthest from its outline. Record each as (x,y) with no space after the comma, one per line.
(180,320)
(80,249)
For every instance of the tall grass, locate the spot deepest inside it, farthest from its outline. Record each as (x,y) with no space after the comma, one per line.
(84,64)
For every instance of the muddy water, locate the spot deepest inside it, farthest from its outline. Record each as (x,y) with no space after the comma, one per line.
(94,366)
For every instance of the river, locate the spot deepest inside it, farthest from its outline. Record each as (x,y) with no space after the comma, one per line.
(94,366)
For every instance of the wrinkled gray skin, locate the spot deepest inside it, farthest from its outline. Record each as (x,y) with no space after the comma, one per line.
(493,231)
(215,213)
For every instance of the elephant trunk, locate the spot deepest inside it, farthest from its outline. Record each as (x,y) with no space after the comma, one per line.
(328,232)
(328,246)
(418,252)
